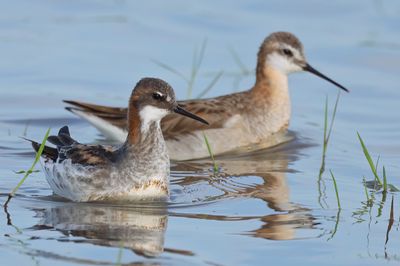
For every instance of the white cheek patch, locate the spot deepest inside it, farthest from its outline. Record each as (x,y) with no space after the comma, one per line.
(282,63)
(150,114)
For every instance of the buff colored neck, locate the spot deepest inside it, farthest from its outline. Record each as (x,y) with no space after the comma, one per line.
(271,86)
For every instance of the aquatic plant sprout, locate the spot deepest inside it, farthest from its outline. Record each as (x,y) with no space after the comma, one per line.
(215,166)
(27,173)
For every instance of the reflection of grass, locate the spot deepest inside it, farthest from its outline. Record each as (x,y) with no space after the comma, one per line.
(25,248)
(215,166)
(197,60)
(366,207)
(27,173)
(365,189)
(385,184)
(338,204)
(336,189)
(26,128)
(391,221)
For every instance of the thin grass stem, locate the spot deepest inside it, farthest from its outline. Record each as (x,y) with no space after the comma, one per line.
(215,166)
(333,117)
(27,173)
(385,184)
(369,159)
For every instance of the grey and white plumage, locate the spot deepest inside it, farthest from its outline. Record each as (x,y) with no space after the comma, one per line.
(135,170)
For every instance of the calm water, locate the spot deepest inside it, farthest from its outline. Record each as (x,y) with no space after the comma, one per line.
(267,207)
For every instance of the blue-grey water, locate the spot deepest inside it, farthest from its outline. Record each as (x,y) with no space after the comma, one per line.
(268,207)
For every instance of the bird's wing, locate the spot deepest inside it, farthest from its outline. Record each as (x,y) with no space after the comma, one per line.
(115,116)
(88,154)
(68,148)
(216,111)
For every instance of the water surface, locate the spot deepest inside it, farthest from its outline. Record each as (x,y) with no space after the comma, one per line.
(265,207)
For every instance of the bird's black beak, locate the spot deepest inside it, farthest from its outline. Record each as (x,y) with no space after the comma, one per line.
(182,111)
(312,70)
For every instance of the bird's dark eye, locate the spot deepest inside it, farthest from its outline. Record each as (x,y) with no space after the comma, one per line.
(158,96)
(287,52)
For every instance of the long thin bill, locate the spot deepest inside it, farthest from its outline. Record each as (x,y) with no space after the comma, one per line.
(180,110)
(312,70)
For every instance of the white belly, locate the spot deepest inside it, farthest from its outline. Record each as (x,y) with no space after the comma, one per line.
(81,184)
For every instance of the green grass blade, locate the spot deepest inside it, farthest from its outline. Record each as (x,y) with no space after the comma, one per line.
(325,122)
(325,143)
(385,184)
(336,189)
(212,83)
(20,172)
(37,157)
(333,117)
(377,162)
(215,166)
(369,159)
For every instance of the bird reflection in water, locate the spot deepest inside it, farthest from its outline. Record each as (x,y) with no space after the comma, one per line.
(139,229)
(269,166)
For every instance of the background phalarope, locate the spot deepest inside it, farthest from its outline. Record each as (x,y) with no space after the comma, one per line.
(236,120)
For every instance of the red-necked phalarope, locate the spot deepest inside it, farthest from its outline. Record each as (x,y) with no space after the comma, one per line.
(138,169)
(236,120)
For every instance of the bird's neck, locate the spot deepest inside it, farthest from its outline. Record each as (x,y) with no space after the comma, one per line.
(271,85)
(150,139)
(145,142)
(134,126)
(143,132)
(143,158)
(271,102)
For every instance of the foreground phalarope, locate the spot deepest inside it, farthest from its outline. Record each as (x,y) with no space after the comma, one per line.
(138,169)
(236,120)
